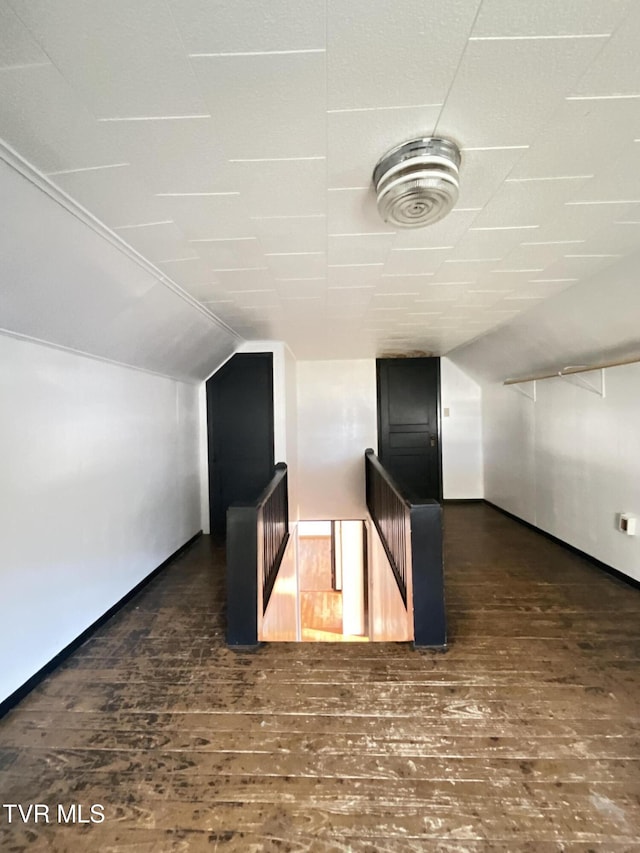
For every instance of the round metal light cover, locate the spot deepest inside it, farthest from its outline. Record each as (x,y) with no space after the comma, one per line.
(417,182)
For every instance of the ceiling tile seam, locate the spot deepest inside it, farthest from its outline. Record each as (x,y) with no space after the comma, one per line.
(423,248)
(552,242)
(239,269)
(185,117)
(380,109)
(20,66)
(541,130)
(365,234)
(555,112)
(392,242)
(196,195)
(192,72)
(548,178)
(454,76)
(580,187)
(143,225)
(80,97)
(291,216)
(71,87)
(258,237)
(543,38)
(493,148)
(406,274)
(395,295)
(602,201)
(60,197)
(221,239)
(239,53)
(351,287)
(472,260)
(202,99)
(614,32)
(273,159)
(253,290)
(503,227)
(86,169)
(614,97)
(338,266)
(593,256)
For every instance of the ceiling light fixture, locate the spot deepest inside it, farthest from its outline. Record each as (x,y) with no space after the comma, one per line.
(417,182)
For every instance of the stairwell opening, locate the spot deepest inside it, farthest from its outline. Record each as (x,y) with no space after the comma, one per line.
(333,581)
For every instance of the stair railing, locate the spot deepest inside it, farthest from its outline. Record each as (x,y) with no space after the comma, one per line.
(410,531)
(257,537)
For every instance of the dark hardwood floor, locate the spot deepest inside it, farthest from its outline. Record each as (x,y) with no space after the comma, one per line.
(523,736)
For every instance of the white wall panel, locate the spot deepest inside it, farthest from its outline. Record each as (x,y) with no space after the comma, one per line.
(99,486)
(291,430)
(509,464)
(462,472)
(570,461)
(337,421)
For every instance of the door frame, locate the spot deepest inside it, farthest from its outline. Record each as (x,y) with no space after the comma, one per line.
(211,419)
(438,411)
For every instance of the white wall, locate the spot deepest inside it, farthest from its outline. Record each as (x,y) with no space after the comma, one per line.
(99,486)
(337,421)
(570,461)
(325,415)
(461,401)
(291,431)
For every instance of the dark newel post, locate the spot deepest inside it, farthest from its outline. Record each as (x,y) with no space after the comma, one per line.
(425,517)
(242,576)
(429,620)
(245,552)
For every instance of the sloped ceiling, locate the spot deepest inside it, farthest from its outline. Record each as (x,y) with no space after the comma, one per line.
(66,281)
(232,144)
(586,325)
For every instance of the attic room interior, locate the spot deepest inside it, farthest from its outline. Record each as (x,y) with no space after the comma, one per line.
(320,425)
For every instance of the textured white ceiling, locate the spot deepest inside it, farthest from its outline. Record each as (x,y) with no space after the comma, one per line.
(232,144)
(67,281)
(601,325)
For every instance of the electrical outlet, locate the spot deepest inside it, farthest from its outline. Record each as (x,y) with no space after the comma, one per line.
(627,524)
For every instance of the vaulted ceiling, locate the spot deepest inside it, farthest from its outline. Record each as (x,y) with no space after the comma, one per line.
(232,143)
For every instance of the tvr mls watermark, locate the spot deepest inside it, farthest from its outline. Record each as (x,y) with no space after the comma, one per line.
(44,813)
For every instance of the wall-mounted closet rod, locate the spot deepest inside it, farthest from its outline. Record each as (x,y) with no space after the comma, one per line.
(573,368)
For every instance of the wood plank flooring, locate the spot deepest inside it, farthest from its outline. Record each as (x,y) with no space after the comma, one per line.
(523,736)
